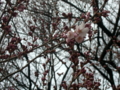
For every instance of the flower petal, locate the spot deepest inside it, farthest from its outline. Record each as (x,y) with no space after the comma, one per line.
(78,31)
(67,40)
(70,34)
(85,30)
(82,26)
(79,39)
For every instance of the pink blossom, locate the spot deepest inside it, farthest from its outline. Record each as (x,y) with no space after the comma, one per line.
(79,34)
(81,29)
(67,40)
(79,39)
(70,35)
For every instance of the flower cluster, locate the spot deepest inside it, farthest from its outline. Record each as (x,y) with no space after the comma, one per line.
(79,34)
(12,46)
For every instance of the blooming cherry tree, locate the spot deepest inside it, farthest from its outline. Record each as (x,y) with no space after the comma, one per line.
(59,45)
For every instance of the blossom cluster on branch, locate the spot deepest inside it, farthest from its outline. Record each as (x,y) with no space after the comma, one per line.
(78,34)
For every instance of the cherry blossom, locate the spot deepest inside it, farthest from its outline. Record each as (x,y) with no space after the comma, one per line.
(79,39)
(81,29)
(79,33)
(70,35)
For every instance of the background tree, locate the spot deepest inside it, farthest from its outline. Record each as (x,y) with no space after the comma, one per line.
(60,45)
